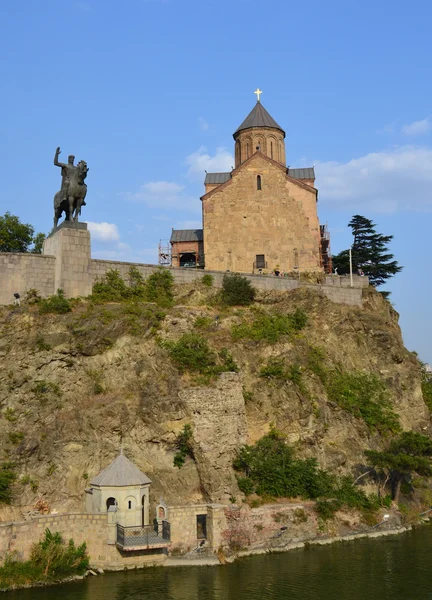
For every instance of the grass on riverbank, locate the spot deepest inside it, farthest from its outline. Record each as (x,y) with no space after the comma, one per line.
(51,559)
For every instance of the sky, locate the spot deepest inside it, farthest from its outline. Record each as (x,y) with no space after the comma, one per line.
(149,93)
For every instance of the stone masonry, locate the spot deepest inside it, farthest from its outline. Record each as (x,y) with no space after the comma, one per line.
(70,244)
(279,220)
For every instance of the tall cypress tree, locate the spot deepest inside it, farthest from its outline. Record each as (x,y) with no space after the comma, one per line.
(369,253)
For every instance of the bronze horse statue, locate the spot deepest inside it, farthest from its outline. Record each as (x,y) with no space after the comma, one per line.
(70,199)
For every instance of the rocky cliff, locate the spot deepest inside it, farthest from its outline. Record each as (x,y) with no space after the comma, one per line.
(73,387)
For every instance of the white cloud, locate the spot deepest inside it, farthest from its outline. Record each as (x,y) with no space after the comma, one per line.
(104,232)
(163,195)
(200,161)
(203,125)
(388,181)
(418,127)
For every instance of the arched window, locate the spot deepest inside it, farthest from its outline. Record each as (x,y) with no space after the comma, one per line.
(247,150)
(258,182)
(271,149)
(295,258)
(111,502)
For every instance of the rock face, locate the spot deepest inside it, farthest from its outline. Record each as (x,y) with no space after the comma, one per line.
(219,422)
(74,387)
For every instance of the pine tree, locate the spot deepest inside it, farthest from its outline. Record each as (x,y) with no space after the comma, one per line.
(369,253)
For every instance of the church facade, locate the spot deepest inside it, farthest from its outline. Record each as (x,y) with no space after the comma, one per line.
(262,216)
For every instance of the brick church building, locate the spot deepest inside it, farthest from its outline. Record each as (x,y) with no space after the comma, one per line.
(262,216)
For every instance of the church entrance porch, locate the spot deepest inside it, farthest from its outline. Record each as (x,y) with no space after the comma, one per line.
(143,538)
(188,259)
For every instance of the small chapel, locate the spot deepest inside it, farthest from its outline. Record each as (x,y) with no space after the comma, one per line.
(261,217)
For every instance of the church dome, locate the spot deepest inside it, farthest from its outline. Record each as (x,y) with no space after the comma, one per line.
(259,132)
(258,117)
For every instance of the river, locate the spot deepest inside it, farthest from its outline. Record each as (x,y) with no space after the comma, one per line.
(394,568)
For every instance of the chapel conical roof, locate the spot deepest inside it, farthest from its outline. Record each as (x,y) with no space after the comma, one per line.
(121,472)
(258,117)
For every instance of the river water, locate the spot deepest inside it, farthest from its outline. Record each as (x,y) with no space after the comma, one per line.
(394,568)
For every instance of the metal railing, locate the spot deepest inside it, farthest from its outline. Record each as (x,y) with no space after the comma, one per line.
(134,537)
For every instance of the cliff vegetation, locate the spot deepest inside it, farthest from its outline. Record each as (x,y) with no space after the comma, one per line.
(186,379)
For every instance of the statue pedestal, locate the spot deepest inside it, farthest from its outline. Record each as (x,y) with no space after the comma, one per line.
(70,244)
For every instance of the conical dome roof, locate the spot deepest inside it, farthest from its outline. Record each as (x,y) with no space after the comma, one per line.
(121,472)
(258,117)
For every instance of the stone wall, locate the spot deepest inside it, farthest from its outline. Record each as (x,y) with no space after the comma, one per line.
(70,244)
(23,272)
(278,221)
(337,289)
(92,529)
(183,520)
(72,269)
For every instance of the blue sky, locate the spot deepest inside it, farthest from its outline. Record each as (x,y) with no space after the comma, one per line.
(149,92)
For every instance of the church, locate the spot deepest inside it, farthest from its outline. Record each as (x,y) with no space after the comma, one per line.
(261,217)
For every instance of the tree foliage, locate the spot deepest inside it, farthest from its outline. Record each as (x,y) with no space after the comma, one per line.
(270,327)
(270,468)
(409,453)
(370,253)
(158,287)
(7,478)
(237,290)
(18,237)
(192,353)
(51,559)
(184,446)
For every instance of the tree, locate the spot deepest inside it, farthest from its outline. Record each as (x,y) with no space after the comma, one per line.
(237,290)
(409,453)
(369,253)
(18,237)
(38,241)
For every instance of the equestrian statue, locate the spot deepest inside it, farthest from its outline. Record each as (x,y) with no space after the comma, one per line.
(73,190)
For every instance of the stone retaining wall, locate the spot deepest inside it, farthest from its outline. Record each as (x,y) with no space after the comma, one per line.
(23,272)
(92,529)
(337,289)
(67,264)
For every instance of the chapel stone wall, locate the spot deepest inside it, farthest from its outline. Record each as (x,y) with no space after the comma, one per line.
(278,221)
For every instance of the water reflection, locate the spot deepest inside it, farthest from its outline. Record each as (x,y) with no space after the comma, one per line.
(394,568)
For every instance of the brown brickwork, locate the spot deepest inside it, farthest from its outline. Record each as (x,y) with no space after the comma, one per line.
(270,142)
(278,221)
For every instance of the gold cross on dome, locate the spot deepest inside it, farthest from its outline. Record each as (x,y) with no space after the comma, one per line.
(258,92)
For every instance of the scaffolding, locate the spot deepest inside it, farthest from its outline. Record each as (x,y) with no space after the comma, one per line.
(325,252)
(164,253)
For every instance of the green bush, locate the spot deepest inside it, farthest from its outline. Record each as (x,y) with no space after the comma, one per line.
(276,369)
(365,396)
(237,290)
(270,468)
(184,446)
(203,323)
(426,386)
(160,288)
(7,478)
(207,279)
(50,560)
(43,388)
(192,353)
(246,485)
(270,328)
(55,304)
(112,288)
